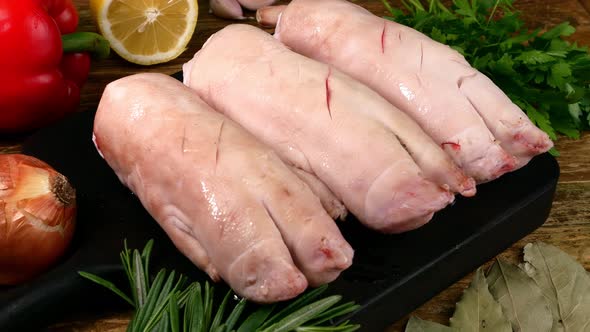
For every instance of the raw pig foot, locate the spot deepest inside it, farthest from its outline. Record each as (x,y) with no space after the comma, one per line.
(452,102)
(368,153)
(227,201)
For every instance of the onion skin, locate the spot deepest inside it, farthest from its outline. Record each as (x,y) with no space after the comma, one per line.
(37,217)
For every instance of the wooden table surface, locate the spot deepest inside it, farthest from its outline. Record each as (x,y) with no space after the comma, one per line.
(568,226)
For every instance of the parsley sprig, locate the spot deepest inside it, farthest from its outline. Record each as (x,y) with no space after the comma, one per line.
(170,303)
(544,74)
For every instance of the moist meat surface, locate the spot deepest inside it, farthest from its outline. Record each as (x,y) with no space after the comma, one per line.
(227,201)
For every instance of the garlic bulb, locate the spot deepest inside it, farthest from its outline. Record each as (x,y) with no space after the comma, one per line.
(37,217)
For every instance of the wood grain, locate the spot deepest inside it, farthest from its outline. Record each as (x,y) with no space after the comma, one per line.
(574,159)
(568,226)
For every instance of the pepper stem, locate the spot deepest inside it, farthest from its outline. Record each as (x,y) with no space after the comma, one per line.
(86,42)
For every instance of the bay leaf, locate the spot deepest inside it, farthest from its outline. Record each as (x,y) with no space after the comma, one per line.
(416,324)
(521,299)
(478,311)
(564,283)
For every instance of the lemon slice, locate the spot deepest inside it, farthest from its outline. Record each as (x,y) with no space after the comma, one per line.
(146,32)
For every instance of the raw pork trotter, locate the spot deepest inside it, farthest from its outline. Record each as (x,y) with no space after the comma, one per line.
(378,161)
(227,201)
(462,110)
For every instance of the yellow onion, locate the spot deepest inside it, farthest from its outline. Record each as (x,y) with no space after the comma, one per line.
(37,217)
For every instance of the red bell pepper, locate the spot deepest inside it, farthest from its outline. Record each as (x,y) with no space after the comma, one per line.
(41,70)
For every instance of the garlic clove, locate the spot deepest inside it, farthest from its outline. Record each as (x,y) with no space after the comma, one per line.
(229,9)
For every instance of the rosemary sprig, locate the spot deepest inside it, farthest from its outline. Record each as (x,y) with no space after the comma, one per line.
(169,303)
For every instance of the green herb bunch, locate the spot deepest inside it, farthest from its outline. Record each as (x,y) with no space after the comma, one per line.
(545,75)
(170,303)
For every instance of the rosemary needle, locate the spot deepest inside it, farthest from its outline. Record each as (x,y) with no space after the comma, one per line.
(167,303)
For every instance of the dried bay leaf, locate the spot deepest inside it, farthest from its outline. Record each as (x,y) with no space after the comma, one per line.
(563,282)
(416,324)
(478,310)
(521,299)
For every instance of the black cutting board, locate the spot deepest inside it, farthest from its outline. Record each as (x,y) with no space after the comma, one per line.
(391,274)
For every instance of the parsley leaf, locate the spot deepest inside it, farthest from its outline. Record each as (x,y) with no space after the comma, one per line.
(558,74)
(534,57)
(562,30)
